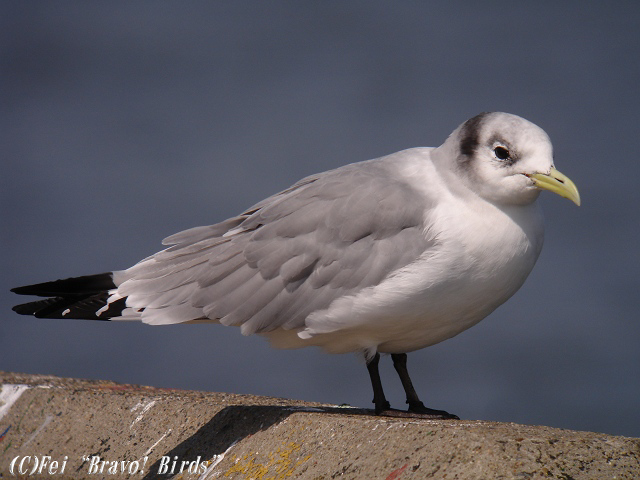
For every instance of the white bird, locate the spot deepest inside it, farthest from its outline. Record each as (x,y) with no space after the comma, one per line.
(389,255)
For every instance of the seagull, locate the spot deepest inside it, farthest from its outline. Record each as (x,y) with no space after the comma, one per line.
(388,255)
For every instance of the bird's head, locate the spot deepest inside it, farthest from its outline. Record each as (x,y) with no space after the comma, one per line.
(506,159)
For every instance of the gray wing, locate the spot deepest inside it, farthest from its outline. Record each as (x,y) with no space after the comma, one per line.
(327,236)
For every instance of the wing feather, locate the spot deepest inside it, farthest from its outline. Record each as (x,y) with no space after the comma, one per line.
(218,293)
(294,253)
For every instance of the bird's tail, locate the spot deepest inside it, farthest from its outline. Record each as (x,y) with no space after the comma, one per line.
(85,298)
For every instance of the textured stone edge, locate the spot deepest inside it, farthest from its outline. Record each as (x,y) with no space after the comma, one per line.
(102,429)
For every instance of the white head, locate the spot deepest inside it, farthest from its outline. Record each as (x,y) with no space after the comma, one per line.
(506,159)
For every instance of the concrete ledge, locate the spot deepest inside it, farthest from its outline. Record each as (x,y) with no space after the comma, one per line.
(71,428)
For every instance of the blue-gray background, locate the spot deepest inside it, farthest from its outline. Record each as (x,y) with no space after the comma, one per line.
(122,123)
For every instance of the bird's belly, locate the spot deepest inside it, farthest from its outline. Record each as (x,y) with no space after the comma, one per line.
(439,314)
(436,314)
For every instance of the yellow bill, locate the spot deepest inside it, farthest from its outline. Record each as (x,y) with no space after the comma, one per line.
(557,182)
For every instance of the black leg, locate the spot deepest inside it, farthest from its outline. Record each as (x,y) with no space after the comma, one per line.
(379,399)
(400,364)
(415,405)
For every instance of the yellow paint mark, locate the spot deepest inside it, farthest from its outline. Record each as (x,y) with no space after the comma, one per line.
(280,461)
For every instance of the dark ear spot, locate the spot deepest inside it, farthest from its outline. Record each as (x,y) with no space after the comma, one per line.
(469,134)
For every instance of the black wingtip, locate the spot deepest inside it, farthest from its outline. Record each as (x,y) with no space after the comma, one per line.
(76,298)
(34,308)
(88,284)
(74,307)
(21,309)
(26,290)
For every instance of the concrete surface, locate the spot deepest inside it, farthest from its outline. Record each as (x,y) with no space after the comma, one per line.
(69,428)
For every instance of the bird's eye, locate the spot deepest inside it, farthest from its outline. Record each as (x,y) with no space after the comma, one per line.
(501,153)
